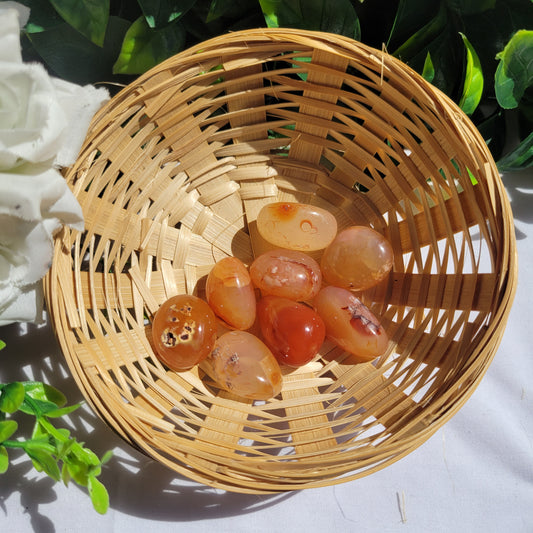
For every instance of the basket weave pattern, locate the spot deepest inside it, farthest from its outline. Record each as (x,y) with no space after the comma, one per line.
(171,177)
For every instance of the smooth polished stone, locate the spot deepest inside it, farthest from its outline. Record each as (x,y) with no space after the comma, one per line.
(184,331)
(230,293)
(286,273)
(296,226)
(350,324)
(245,366)
(358,258)
(292,330)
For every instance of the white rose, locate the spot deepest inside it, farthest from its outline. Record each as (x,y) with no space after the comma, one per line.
(34,203)
(43,122)
(32,122)
(42,119)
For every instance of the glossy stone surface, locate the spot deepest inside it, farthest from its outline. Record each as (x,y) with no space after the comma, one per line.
(230,293)
(350,324)
(184,331)
(357,259)
(296,226)
(244,365)
(292,330)
(286,273)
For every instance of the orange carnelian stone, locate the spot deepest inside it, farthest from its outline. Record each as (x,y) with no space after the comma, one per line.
(357,259)
(287,273)
(350,324)
(292,330)
(296,226)
(184,331)
(230,293)
(243,365)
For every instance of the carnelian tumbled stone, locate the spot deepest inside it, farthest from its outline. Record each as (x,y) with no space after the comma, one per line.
(184,331)
(350,324)
(286,273)
(296,226)
(230,293)
(244,365)
(292,330)
(357,259)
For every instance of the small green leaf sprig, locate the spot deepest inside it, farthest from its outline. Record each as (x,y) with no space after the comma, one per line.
(52,450)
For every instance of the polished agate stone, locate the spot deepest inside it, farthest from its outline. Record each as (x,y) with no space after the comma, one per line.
(230,293)
(292,330)
(296,226)
(184,331)
(244,365)
(357,259)
(286,273)
(350,324)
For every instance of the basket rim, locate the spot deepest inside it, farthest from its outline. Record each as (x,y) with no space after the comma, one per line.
(66,316)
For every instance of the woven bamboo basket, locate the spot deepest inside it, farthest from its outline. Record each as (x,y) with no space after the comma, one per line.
(171,177)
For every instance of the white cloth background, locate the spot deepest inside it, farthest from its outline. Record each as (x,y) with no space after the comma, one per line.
(474,475)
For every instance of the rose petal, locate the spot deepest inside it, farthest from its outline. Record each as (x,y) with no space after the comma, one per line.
(37,137)
(35,192)
(26,305)
(26,243)
(79,104)
(13,16)
(30,250)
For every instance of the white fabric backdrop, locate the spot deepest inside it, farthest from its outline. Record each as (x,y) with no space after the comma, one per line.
(474,475)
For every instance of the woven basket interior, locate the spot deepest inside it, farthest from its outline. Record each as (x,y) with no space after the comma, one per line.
(171,177)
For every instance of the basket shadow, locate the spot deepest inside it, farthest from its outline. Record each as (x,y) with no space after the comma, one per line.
(520,192)
(137,484)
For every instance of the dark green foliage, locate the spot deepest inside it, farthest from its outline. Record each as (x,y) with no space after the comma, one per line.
(473,50)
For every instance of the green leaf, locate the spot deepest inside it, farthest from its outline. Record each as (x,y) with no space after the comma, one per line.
(106,457)
(2,344)
(443,51)
(56,413)
(89,17)
(144,47)
(72,57)
(42,391)
(42,16)
(98,494)
(473,83)
(491,30)
(7,428)
(87,456)
(515,70)
(42,444)
(64,448)
(36,407)
(43,461)
(333,16)
(218,8)
(158,13)
(77,470)
(520,157)
(470,7)
(494,130)
(419,41)
(4,460)
(38,430)
(65,474)
(278,13)
(11,397)
(411,16)
(428,72)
